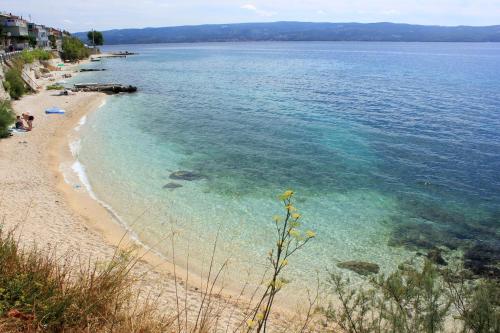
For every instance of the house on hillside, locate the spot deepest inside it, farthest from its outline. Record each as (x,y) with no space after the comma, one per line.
(39,34)
(14,31)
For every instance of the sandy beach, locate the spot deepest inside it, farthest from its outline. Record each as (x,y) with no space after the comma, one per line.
(47,211)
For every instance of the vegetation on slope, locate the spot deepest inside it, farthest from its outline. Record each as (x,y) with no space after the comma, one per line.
(40,292)
(6,118)
(29,57)
(14,83)
(73,49)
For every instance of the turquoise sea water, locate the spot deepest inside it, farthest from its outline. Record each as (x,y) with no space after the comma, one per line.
(390,147)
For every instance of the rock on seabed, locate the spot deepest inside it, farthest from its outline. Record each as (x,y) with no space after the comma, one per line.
(171,186)
(186,175)
(360,267)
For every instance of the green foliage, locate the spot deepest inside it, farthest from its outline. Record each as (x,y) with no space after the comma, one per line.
(6,118)
(55,87)
(32,41)
(14,83)
(53,42)
(40,54)
(415,300)
(73,49)
(408,300)
(27,57)
(95,38)
(477,304)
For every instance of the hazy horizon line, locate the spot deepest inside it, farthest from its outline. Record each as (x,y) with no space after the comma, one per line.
(281,21)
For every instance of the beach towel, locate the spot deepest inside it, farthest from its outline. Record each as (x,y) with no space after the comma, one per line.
(55,110)
(14,130)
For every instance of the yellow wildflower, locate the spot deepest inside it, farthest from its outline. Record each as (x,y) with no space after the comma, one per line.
(296,216)
(277,218)
(294,232)
(286,195)
(310,234)
(259,316)
(250,323)
(290,208)
(284,262)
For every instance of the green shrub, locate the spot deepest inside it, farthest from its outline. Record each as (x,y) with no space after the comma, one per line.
(28,57)
(74,49)
(40,54)
(15,83)
(416,300)
(55,87)
(6,118)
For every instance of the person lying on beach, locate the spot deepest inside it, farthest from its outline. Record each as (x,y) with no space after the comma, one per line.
(25,116)
(30,123)
(19,123)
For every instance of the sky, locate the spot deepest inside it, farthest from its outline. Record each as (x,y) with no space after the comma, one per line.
(77,15)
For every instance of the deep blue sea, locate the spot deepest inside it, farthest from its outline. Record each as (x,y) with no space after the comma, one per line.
(391,148)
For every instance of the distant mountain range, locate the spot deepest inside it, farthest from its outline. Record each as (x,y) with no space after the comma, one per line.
(301,31)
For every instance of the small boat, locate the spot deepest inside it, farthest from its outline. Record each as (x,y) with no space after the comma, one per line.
(95,59)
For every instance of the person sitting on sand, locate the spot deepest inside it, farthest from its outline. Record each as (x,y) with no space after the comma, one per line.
(19,123)
(30,123)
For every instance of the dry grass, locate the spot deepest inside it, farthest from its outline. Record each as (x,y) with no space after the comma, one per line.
(40,292)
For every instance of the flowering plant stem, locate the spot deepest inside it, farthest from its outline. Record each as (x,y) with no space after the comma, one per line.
(289,239)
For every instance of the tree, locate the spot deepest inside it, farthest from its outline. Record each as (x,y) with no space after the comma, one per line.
(53,42)
(73,49)
(32,41)
(95,37)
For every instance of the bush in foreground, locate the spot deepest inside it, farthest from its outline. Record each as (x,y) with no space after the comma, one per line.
(416,300)
(14,83)
(39,292)
(6,118)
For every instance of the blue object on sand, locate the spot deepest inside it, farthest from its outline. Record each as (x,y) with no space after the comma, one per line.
(55,110)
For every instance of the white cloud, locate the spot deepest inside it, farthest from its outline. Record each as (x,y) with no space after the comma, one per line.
(256,10)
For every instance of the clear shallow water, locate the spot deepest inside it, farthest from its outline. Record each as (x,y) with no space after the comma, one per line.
(390,147)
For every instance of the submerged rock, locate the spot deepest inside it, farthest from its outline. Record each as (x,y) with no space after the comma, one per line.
(435,256)
(416,235)
(483,259)
(172,186)
(186,175)
(360,267)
